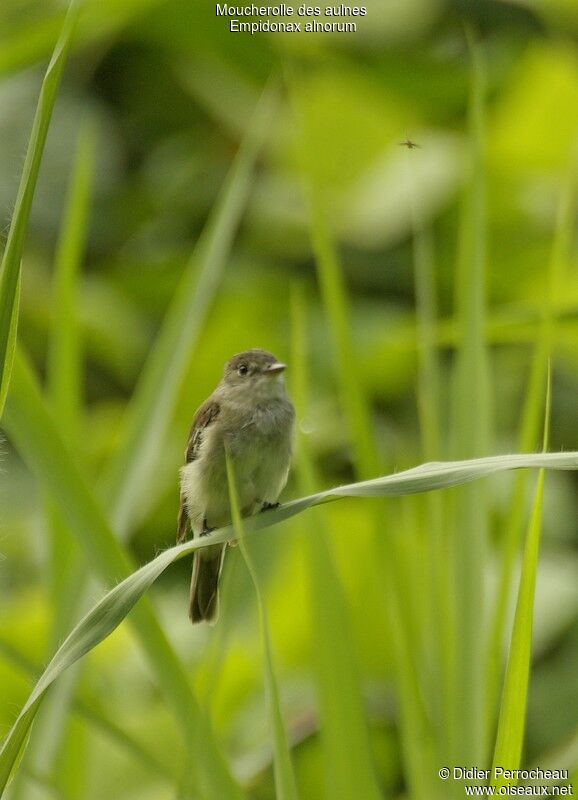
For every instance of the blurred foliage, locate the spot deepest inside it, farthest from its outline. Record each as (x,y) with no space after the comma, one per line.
(171,93)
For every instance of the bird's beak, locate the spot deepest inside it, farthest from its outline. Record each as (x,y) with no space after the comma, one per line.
(275,369)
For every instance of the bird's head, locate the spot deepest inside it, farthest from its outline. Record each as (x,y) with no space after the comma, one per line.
(256,371)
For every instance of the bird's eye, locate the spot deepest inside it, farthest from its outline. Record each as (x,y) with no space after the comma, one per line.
(243,369)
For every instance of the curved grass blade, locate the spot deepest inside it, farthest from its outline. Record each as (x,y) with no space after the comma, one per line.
(10,268)
(36,436)
(510,736)
(116,604)
(285,786)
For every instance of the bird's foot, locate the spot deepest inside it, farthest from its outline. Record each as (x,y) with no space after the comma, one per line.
(269,506)
(206,530)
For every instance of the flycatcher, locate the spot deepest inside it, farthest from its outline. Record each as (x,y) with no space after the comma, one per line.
(250,416)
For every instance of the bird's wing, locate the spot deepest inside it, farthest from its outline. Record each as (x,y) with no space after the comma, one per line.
(204,417)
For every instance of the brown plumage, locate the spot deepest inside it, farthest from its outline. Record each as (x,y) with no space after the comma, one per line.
(250,415)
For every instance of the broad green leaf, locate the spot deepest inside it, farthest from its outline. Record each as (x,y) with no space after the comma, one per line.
(10,268)
(285,787)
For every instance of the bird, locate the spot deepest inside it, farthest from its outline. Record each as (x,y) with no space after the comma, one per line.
(250,416)
(409,143)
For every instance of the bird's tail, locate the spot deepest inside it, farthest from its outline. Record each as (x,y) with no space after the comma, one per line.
(204,601)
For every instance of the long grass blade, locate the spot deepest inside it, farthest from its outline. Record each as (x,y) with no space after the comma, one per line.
(67,566)
(285,786)
(528,437)
(105,617)
(334,296)
(31,426)
(349,768)
(10,268)
(64,372)
(470,428)
(439,629)
(510,735)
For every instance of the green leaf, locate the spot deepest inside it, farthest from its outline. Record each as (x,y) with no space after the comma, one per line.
(510,735)
(67,568)
(529,435)
(64,368)
(334,293)
(10,268)
(470,428)
(105,617)
(349,768)
(285,787)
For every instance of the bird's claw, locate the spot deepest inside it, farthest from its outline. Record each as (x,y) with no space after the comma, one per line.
(269,506)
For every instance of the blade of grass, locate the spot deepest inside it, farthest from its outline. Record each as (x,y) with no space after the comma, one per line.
(333,295)
(151,409)
(366,457)
(440,630)
(31,427)
(10,268)
(339,688)
(64,354)
(417,740)
(285,786)
(106,615)
(349,769)
(510,735)
(471,431)
(528,437)
(67,566)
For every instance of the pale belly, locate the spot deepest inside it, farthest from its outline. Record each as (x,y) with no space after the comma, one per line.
(260,465)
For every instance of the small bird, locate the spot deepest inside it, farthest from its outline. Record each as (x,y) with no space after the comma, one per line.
(409,143)
(250,416)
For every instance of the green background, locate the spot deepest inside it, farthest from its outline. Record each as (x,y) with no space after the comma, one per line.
(322,270)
